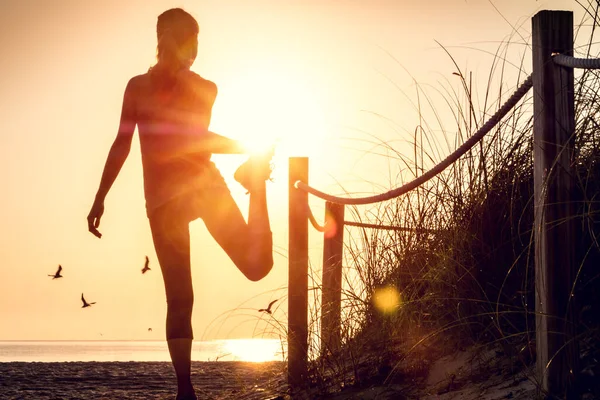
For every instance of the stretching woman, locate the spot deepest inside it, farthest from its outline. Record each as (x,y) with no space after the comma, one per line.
(171,107)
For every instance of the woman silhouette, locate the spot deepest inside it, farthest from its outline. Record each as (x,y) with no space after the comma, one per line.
(171,107)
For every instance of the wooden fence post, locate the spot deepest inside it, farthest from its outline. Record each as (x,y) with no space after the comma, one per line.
(298,274)
(332,277)
(554,230)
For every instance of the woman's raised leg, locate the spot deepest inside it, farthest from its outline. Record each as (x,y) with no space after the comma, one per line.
(249,245)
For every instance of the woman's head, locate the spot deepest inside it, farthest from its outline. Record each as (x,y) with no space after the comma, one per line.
(177,34)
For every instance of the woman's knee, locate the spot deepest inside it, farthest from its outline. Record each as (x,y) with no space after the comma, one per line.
(180,303)
(253,256)
(257,268)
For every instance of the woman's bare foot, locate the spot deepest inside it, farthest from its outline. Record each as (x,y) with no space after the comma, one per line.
(188,394)
(255,171)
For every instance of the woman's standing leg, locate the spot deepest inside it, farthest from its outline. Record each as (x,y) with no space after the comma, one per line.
(170,233)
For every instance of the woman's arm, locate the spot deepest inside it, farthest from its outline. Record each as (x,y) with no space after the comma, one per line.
(116,158)
(219,144)
(213,142)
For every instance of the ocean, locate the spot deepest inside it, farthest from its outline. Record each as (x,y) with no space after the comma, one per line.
(255,350)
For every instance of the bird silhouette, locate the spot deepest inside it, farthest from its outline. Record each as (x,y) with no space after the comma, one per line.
(146,267)
(268,309)
(85,303)
(149,329)
(57,273)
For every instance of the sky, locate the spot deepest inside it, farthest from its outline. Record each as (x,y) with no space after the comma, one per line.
(334,81)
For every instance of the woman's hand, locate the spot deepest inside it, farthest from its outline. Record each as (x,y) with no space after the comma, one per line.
(94,216)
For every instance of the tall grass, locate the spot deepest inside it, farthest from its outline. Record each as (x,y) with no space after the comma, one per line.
(464,267)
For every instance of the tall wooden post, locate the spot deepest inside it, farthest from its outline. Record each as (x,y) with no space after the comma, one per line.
(332,277)
(298,274)
(554,230)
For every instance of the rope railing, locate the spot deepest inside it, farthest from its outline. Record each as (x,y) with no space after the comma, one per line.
(388,227)
(322,228)
(466,146)
(313,221)
(573,62)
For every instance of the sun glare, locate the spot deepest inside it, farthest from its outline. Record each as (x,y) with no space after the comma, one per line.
(253,350)
(266,107)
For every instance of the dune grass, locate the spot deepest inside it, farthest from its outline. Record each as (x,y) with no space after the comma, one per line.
(463,270)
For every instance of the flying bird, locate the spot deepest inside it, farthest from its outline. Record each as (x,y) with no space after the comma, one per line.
(146,267)
(268,309)
(57,273)
(149,329)
(85,303)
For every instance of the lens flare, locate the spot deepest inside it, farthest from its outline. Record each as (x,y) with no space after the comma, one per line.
(331,227)
(387,299)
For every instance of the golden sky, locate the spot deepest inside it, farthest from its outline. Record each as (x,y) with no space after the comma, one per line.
(310,73)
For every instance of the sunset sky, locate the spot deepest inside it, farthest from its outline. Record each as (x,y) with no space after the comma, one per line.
(331,80)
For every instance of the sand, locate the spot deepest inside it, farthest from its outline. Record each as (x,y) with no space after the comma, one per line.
(454,377)
(138,380)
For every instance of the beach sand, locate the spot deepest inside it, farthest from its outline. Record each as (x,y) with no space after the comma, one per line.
(464,375)
(138,380)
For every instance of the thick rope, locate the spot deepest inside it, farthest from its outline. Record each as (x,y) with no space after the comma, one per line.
(572,62)
(313,220)
(323,228)
(388,227)
(466,146)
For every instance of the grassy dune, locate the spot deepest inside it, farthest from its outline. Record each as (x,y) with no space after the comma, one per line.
(463,273)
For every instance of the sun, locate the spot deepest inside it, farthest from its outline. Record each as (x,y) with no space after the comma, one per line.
(262,106)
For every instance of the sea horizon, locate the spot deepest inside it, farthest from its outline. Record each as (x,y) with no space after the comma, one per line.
(114,350)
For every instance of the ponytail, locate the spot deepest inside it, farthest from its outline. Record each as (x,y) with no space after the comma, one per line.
(167,50)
